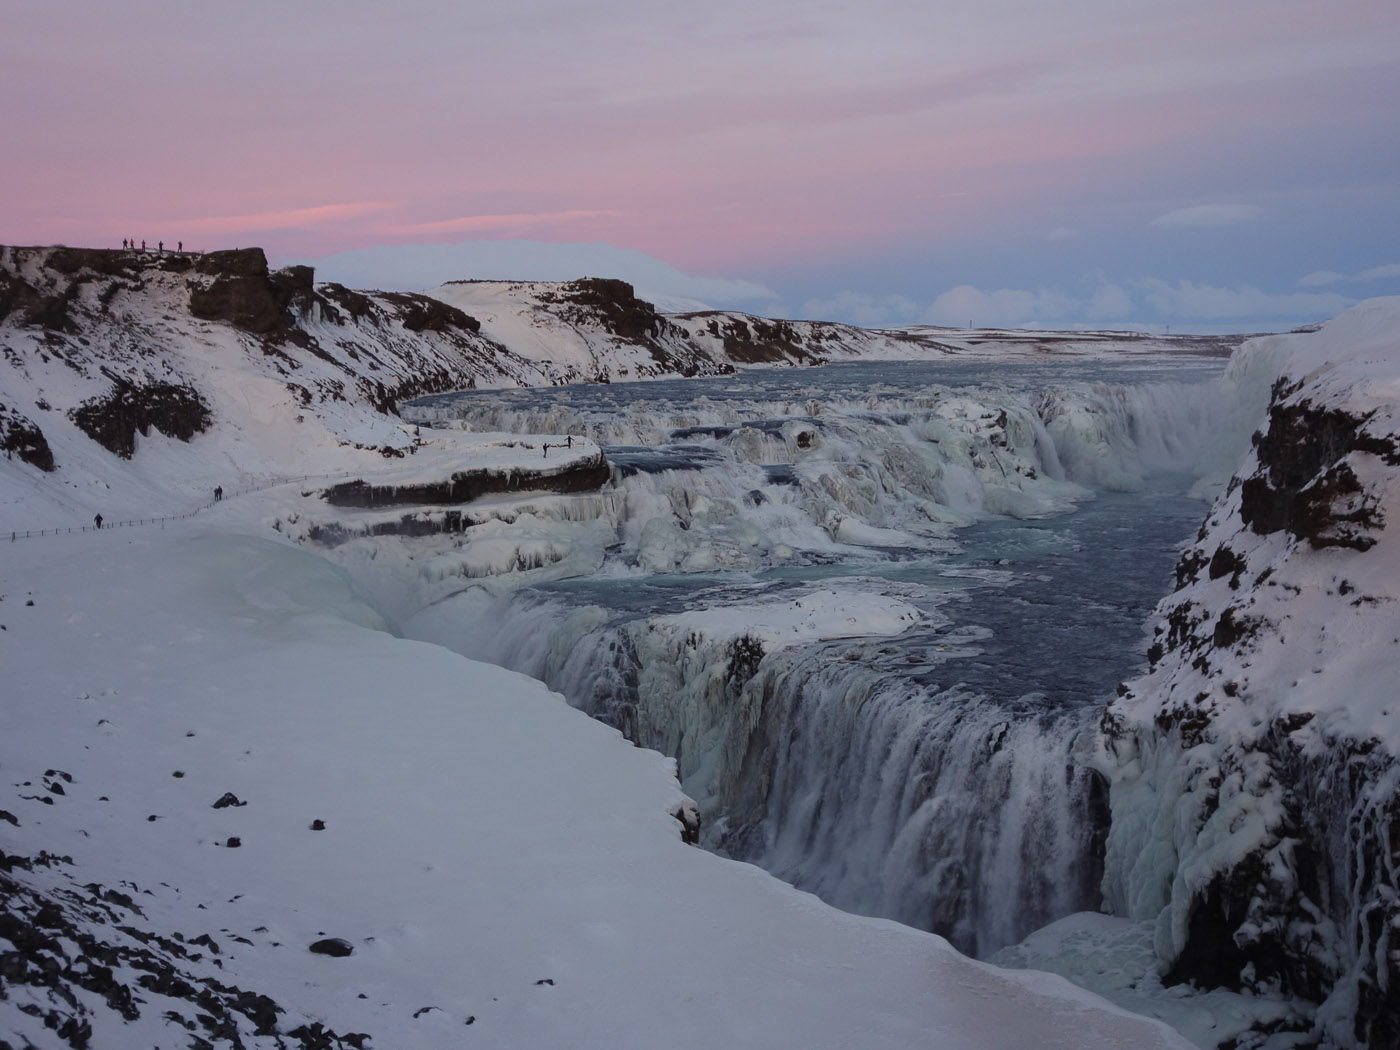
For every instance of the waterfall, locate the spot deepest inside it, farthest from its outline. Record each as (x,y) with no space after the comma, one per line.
(928,778)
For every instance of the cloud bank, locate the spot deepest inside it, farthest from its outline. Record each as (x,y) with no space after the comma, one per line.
(1148,303)
(1210,215)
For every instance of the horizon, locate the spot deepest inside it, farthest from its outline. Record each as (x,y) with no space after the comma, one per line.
(1174,165)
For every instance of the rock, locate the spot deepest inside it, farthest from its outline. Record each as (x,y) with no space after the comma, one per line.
(333,946)
(228,798)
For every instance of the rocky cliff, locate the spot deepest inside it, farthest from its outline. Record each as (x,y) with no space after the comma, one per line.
(1255,768)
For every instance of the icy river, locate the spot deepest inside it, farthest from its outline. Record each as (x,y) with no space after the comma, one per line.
(868,608)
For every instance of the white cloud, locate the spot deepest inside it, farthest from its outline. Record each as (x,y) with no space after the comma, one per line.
(1142,304)
(997,309)
(1210,215)
(412,267)
(870,311)
(1320,279)
(1111,301)
(1186,299)
(1380,273)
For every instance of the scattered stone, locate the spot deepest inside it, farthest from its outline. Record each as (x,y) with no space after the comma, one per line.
(228,798)
(333,946)
(153,817)
(318,825)
(5,814)
(233,842)
(178,774)
(545,980)
(471,1019)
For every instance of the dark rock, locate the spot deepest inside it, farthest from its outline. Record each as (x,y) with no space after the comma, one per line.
(238,289)
(113,420)
(423,313)
(333,946)
(754,340)
(465,486)
(318,825)
(228,798)
(21,437)
(233,842)
(1305,484)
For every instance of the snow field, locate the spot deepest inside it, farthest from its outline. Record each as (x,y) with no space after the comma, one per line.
(480,836)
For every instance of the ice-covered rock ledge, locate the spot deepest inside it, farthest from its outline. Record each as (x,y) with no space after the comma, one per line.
(464,469)
(1254,772)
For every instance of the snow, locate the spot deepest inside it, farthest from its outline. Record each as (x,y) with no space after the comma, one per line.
(480,836)
(1116,958)
(822,614)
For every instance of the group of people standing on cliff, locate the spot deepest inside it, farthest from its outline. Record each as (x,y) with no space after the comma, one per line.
(570,444)
(130,245)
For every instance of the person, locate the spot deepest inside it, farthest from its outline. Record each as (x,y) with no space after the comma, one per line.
(218,493)
(571,441)
(160,247)
(123,244)
(143,244)
(546,450)
(97,520)
(180,247)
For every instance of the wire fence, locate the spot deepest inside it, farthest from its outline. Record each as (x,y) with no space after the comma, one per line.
(27,534)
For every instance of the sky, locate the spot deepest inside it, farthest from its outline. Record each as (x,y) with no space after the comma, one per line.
(1100,163)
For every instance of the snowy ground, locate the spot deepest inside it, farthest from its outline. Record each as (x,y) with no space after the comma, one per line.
(480,836)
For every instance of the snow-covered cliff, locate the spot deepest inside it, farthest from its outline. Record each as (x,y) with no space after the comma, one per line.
(1255,768)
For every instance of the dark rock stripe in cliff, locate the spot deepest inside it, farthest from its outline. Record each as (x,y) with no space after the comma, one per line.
(467,485)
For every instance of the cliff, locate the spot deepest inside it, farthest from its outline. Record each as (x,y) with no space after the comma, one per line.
(1254,768)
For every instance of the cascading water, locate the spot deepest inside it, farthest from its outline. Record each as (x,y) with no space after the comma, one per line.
(922,774)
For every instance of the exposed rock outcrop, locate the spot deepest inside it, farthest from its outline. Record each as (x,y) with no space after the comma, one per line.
(114,419)
(467,485)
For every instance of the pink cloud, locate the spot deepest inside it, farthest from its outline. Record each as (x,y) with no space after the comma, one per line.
(289,219)
(513,225)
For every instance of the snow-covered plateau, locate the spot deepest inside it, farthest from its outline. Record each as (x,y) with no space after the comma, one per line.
(248,801)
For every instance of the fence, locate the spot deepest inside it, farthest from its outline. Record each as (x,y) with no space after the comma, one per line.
(26,534)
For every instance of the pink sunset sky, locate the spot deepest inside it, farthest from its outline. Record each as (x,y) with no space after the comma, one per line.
(1112,163)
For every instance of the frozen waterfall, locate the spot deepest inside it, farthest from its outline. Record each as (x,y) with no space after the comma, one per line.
(922,770)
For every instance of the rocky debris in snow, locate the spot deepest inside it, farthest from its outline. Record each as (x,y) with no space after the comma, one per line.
(228,798)
(83,963)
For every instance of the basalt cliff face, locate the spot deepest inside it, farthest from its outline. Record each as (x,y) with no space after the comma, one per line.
(1255,768)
